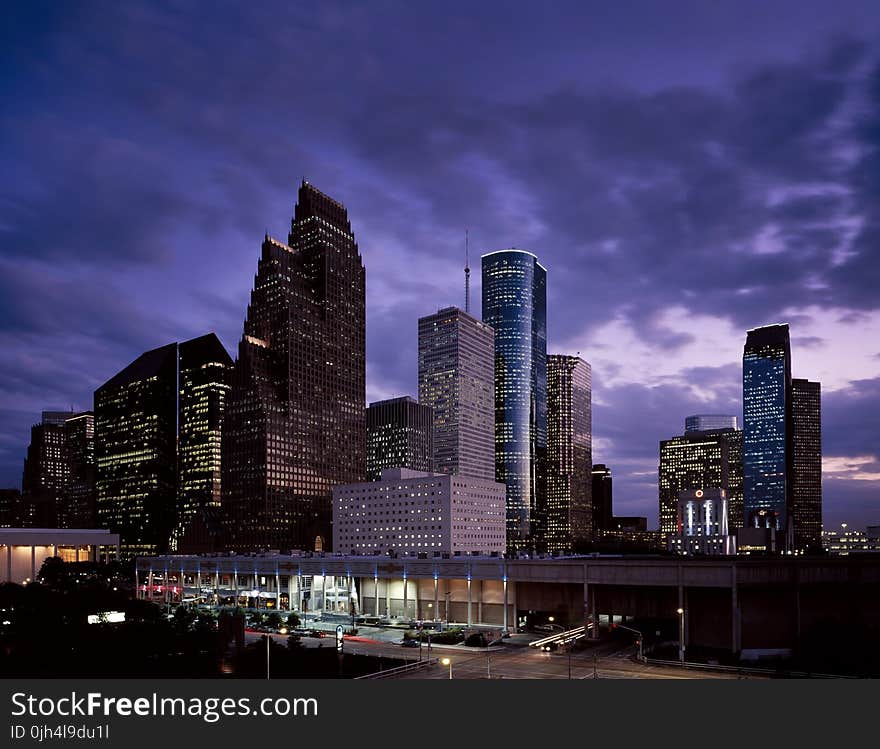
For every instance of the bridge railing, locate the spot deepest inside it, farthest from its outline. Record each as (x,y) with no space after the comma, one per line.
(391,673)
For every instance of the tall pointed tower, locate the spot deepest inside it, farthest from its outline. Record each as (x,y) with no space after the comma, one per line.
(294,425)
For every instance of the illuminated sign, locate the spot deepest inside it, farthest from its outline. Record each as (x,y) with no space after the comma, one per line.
(106,617)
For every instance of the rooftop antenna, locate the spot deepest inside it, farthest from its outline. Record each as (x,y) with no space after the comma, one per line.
(467,274)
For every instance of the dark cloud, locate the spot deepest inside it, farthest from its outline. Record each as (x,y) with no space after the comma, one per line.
(734,172)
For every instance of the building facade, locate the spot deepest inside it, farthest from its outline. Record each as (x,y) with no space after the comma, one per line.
(400,434)
(204,381)
(806,465)
(767,428)
(702,524)
(514,296)
(78,508)
(414,512)
(295,419)
(45,475)
(457,380)
(708,423)
(135,450)
(700,460)
(602,497)
(568,517)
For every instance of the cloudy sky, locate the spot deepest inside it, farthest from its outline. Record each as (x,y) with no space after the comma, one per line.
(685,170)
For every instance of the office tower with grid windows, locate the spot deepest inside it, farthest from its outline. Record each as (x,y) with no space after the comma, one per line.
(294,425)
(400,434)
(568,521)
(135,450)
(700,461)
(806,465)
(514,295)
(204,381)
(457,380)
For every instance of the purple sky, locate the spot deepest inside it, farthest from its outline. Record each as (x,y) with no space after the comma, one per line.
(685,171)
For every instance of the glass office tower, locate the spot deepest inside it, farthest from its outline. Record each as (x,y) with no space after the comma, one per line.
(767,427)
(515,307)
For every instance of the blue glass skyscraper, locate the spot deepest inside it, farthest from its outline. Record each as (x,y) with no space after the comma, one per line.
(767,428)
(515,306)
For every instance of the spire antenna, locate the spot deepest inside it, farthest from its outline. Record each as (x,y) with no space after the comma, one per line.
(467,274)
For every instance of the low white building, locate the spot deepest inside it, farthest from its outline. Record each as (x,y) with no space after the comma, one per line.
(702,523)
(412,512)
(23,550)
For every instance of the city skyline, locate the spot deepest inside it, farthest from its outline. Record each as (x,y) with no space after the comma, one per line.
(664,340)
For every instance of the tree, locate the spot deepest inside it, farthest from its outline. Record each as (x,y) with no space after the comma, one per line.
(293,620)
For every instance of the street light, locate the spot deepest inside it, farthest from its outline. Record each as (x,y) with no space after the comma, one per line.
(638,641)
(680,612)
(448,662)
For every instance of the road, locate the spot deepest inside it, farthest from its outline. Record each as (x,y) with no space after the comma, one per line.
(606,659)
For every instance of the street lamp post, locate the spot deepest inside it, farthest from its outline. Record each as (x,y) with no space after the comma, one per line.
(680,612)
(638,641)
(448,662)
(567,645)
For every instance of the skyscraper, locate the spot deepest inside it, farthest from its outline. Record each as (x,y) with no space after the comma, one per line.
(457,380)
(78,508)
(698,461)
(294,424)
(157,434)
(806,474)
(767,428)
(46,472)
(58,483)
(400,434)
(135,450)
(603,513)
(515,307)
(568,519)
(708,422)
(204,381)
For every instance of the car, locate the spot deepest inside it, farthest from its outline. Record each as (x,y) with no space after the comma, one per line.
(410,643)
(316,633)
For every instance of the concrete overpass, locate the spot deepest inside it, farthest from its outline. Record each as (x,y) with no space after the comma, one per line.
(730,603)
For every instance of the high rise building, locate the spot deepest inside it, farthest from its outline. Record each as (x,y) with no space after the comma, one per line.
(568,520)
(78,507)
(515,307)
(708,422)
(157,438)
(135,450)
(603,513)
(204,381)
(294,425)
(806,465)
(700,460)
(400,434)
(457,380)
(58,483)
(767,428)
(46,471)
